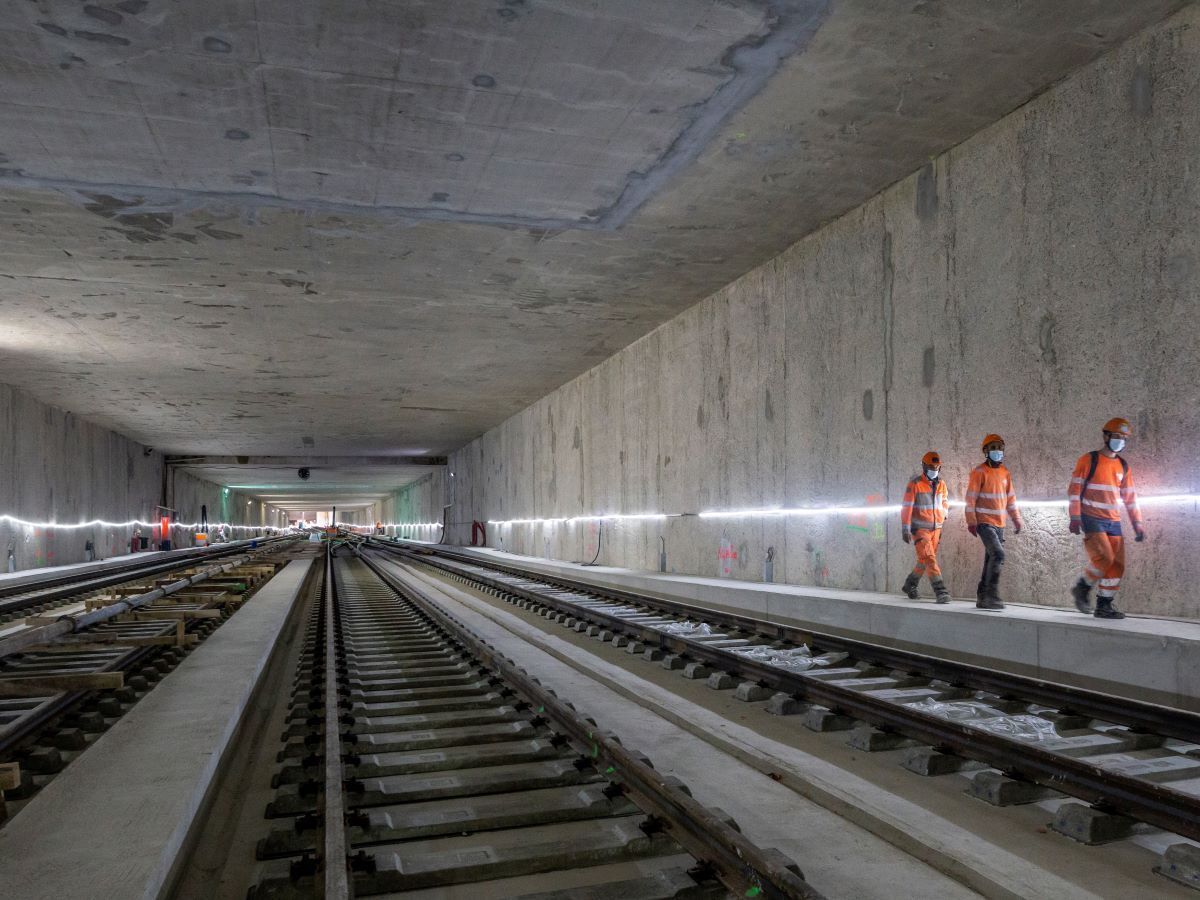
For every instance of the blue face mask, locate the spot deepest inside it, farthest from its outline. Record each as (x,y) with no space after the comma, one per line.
(1116,444)
(996,455)
(931,474)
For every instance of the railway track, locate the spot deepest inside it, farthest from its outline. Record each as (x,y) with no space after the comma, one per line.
(1132,764)
(417,759)
(71,669)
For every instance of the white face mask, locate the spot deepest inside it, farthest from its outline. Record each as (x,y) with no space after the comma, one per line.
(995,455)
(931,474)
(1116,444)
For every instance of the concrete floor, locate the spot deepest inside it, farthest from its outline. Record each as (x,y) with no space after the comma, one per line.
(997,852)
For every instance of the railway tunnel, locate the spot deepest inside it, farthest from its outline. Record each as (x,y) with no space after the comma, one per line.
(558,449)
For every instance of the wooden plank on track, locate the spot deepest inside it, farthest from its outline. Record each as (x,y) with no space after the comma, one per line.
(10,776)
(146,615)
(41,685)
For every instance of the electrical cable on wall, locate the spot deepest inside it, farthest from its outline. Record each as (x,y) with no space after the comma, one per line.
(599,540)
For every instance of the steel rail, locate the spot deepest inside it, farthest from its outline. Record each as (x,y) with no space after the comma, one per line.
(337,878)
(739,863)
(1139,715)
(1143,800)
(73,583)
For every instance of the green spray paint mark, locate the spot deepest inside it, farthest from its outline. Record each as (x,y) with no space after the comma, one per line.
(754,892)
(610,770)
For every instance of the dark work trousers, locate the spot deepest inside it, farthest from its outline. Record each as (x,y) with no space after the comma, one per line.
(993,556)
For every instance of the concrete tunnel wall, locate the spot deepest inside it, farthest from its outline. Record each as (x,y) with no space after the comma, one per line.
(1035,280)
(55,466)
(419,504)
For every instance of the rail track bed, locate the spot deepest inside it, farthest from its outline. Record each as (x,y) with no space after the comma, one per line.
(418,762)
(70,674)
(1135,766)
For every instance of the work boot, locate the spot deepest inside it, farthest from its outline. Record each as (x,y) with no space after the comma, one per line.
(1105,609)
(910,585)
(939,590)
(979,592)
(1082,593)
(989,600)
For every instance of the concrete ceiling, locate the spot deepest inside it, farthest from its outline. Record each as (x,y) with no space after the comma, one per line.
(230,226)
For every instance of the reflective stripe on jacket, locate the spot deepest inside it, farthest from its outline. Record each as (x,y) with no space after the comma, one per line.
(989,493)
(924,507)
(1110,487)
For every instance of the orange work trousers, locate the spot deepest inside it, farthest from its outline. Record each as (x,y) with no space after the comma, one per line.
(925,542)
(1106,561)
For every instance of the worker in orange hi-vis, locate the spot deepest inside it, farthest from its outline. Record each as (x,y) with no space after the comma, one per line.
(926,502)
(1100,485)
(990,496)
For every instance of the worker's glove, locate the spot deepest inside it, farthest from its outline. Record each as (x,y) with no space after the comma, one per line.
(1076,526)
(1141,535)
(974,530)
(907,535)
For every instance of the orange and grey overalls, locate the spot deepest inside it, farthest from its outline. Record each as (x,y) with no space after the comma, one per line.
(1099,487)
(922,513)
(990,500)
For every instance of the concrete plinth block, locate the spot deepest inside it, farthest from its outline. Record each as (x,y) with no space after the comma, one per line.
(604,635)
(561,618)
(696,670)
(752,692)
(1066,721)
(592,630)
(620,640)
(1089,825)
(570,621)
(1181,863)
(821,718)
(873,740)
(998,789)
(673,661)
(653,654)
(782,704)
(721,681)
(42,761)
(927,761)
(634,647)
(581,626)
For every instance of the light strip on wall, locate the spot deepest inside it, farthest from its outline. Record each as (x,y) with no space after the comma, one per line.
(818,511)
(101,523)
(611,517)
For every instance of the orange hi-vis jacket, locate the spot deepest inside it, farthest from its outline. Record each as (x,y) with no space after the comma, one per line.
(1110,486)
(989,493)
(924,507)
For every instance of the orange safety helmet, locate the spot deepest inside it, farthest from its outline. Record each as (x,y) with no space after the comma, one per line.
(990,439)
(1118,426)
(931,459)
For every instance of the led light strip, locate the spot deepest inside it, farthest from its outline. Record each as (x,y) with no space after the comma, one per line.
(818,511)
(101,523)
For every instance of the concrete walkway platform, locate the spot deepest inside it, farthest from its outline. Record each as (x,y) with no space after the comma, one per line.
(1150,659)
(112,823)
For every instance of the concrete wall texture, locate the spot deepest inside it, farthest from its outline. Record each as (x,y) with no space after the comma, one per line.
(420,503)
(1035,280)
(57,467)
